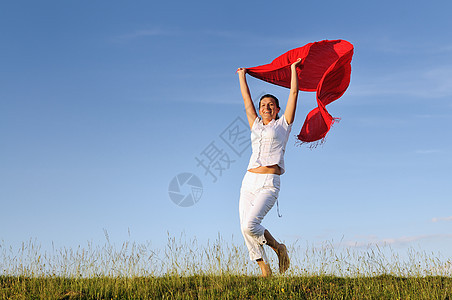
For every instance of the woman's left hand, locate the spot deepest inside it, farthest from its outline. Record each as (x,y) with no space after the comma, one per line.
(295,64)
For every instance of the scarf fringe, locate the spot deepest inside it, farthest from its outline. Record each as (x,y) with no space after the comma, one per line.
(335,120)
(315,144)
(310,145)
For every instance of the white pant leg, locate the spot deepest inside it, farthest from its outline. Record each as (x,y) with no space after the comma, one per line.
(257,196)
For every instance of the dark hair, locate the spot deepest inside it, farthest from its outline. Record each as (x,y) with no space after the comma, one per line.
(274,98)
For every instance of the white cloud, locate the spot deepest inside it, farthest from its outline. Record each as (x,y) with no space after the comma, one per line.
(152,32)
(420,82)
(435,82)
(395,45)
(444,49)
(428,151)
(400,241)
(446,219)
(249,38)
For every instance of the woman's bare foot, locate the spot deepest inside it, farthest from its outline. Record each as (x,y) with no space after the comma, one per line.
(265,268)
(283,258)
(280,250)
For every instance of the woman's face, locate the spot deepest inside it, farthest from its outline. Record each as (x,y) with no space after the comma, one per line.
(268,109)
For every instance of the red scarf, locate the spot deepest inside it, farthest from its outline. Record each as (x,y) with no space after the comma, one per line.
(325,68)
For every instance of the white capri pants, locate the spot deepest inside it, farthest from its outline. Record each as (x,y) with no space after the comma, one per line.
(258,194)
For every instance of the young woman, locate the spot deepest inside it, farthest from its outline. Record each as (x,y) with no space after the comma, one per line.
(260,186)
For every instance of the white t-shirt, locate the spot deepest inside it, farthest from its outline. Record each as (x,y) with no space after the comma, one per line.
(268,143)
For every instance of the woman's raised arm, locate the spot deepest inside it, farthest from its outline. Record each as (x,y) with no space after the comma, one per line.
(291,106)
(249,106)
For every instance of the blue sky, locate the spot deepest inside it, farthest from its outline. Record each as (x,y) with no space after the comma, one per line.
(103,103)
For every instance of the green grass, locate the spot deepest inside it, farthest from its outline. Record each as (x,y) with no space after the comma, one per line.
(184,269)
(227,287)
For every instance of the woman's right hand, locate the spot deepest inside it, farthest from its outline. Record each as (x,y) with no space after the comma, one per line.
(241,71)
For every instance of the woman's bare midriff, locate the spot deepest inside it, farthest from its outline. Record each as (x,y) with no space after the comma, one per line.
(274,169)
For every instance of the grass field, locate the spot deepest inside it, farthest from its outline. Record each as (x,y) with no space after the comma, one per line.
(218,270)
(227,287)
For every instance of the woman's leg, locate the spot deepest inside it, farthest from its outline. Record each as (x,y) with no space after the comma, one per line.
(250,216)
(281,251)
(258,195)
(265,268)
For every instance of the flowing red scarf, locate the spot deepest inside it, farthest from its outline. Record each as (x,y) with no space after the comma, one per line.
(325,69)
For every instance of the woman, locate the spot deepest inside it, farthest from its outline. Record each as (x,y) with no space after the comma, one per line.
(260,186)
